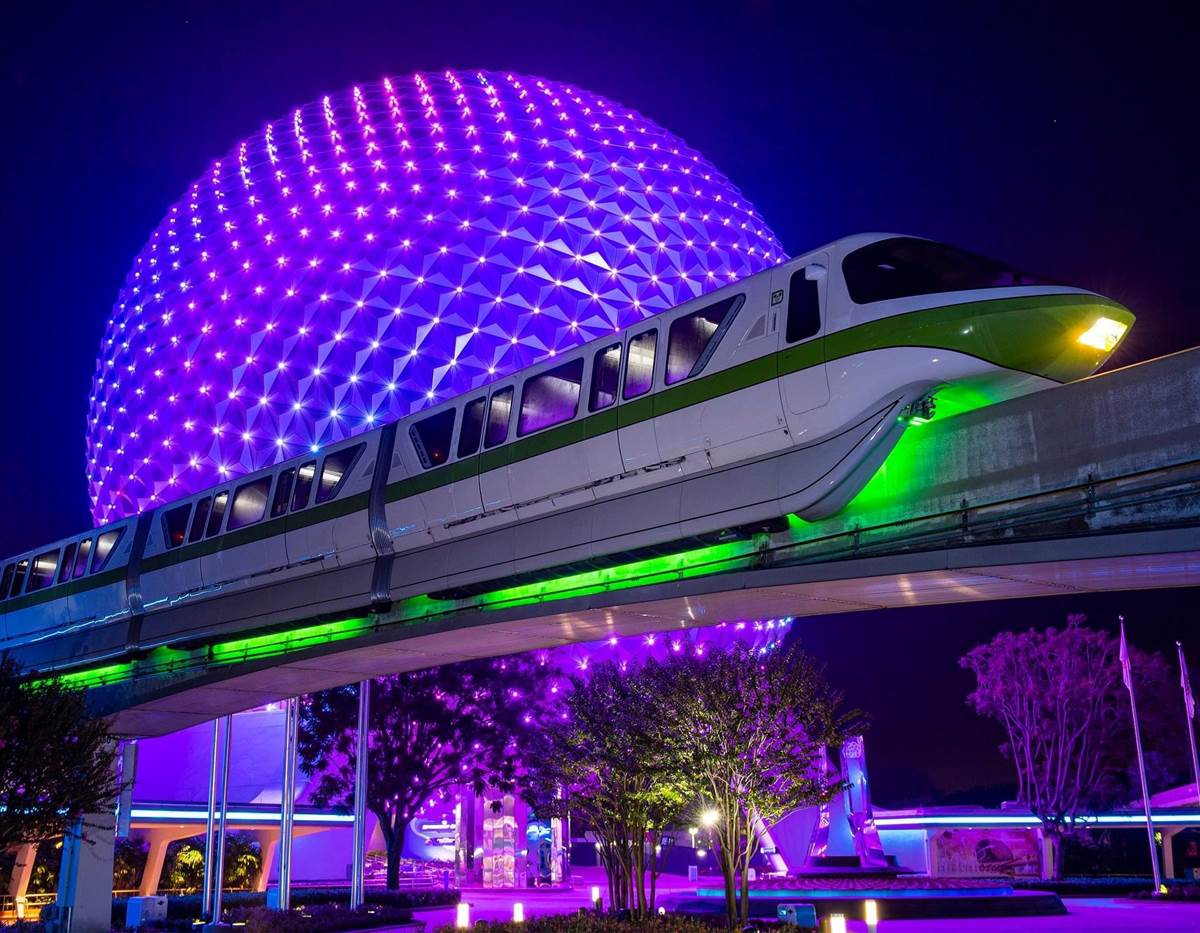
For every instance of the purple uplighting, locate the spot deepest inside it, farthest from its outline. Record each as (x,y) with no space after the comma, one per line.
(384,249)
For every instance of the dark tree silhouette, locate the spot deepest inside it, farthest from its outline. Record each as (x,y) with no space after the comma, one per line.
(57,763)
(457,724)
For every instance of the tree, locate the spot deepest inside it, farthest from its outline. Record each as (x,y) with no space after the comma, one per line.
(1058,694)
(605,762)
(746,727)
(429,730)
(57,763)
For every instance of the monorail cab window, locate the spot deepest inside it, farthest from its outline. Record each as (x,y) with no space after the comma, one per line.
(693,337)
(283,491)
(220,500)
(499,411)
(550,398)
(335,470)
(175,523)
(19,577)
(304,485)
(106,544)
(431,438)
(81,558)
(902,267)
(68,561)
(471,431)
(639,364)
(6,582)
(41,575)
(804,305)
(249,503)
(606,377)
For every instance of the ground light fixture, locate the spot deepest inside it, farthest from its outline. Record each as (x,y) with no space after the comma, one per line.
(462,916)
(518,912)
(871,914)
(596,902)
(837,923)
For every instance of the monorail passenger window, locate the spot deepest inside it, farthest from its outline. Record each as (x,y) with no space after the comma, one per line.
(694,337)
(200,519)
(175,523)
(498,415)
(550,398)
(64,574)
(606,376)
(804,307)
(336,469)
(42,573)
(283,490)
(304,485)
(472,427)
(220,500)
(639,366)
(19,577)
(431,438)
(81,558)
(106,545)
(249,503)
(6,582)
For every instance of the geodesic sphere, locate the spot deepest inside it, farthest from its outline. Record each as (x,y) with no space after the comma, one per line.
(384,249)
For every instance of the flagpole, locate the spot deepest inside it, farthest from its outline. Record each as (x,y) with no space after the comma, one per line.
(1189,706)
(1127,677)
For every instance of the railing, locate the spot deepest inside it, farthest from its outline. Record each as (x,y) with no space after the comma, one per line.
(25,907)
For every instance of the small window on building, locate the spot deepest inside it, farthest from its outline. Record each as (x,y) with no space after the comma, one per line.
(472,427)
(550,398)
(431,438)
(249,503)
(106,545)
(304,485)
(283,489)
(220,500)
(68,562)
(42,573)
(695,336)
(6,582)
(175,523)
(804,307)
(498,414)
(639,366)
(81,558)
(200,519)
(336,469)
(606,377)
(19,577)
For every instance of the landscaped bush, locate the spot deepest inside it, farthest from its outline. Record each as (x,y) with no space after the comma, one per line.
(586,922)
(321,918)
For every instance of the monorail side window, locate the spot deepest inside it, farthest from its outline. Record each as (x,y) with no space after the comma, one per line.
(249,503)
(81,558)
(6,582)
(694,337)
(606,377)
(804,307)
(19,577)
(472,427)
(900,267)
(431,438)
(639,366)
(220,500)
(42,573)
(550,398)
(498,416)
(106,545)
(283,490)
(67,562)
(175,523)
(336,469)
(201,519)
(304,485)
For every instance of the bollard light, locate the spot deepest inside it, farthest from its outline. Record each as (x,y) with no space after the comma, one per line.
(462,916)
(596,902)
(518,912)
(871,913)
(837,923)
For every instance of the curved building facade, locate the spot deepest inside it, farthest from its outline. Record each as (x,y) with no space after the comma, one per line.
(383,249)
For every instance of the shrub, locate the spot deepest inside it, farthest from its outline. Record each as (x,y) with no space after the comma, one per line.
(585,922)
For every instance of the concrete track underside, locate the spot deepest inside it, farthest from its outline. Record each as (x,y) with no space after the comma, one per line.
(1088,487)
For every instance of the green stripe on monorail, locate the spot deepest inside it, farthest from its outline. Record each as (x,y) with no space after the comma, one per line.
(1025,334)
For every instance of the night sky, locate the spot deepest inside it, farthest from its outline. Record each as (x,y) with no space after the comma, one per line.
(1057,137)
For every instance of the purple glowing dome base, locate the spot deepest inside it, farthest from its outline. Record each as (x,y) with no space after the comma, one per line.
(387,248)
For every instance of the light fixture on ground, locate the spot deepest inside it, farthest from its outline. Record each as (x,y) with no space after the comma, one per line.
(518,912)
(462,915)
(871,914)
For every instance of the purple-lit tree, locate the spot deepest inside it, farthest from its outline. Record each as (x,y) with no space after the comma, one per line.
(429,730)
(745,728)
(1059,696)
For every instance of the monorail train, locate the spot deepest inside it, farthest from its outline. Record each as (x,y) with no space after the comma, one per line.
(778,394)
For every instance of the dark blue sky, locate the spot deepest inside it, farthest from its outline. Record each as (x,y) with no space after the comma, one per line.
(1059,137)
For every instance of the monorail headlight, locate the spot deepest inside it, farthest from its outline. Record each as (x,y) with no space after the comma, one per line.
(1104,334)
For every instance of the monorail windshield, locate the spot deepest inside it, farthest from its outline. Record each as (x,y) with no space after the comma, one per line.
(901,267)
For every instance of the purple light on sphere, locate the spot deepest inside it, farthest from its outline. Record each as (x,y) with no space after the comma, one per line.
(385,249)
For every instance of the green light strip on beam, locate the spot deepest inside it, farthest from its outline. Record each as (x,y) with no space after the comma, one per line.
(95,677)
(285,642)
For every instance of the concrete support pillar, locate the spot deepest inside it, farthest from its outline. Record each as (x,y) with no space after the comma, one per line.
(158,840)
(85,878)
(268,842)
(1168,851)
(22,870)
